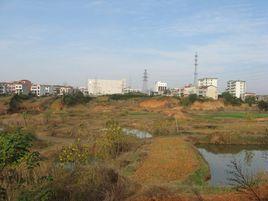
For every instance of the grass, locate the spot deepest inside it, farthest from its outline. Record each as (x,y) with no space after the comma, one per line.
(233,115)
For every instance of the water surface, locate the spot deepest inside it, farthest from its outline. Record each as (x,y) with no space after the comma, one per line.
(253,160)
(137,133)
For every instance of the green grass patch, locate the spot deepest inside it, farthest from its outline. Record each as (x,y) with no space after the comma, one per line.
(232,115)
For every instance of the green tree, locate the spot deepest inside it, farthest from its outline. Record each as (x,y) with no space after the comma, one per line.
(229,99)
(14,103)
(263,106)
(250,100)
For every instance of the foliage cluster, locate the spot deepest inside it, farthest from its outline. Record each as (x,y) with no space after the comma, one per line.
(189,100)
(76,98)
(263,105)
(76,153)
(15,154)
(250,100)
(229,99)
(127,96)
(113,141)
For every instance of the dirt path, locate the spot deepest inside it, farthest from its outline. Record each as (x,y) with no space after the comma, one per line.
(169,159)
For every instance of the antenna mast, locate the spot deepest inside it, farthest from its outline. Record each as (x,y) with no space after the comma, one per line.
(195,70)
(145,82)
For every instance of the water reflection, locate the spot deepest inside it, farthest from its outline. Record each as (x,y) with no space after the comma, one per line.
(253,160)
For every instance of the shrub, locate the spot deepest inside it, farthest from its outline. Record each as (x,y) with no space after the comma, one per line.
(113,141)
(14,103)
(189,100)
(250,100)
(263,106)
(76,98)
(229,99)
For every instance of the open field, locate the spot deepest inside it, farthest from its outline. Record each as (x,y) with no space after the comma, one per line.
(168,161)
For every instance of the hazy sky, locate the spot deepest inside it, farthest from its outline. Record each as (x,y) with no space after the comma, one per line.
(69,41)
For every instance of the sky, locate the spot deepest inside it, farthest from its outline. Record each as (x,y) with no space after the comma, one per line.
(70,41)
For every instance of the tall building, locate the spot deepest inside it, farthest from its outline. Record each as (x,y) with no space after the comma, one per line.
(160,87)
(204,82)
(105,87)
(237,88)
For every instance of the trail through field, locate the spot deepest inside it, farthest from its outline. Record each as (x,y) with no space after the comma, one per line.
(169,159)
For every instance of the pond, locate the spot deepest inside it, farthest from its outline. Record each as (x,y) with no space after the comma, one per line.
(253,160)
(137,133)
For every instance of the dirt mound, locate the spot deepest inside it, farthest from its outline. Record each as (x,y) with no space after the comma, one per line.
(153,103)
(210,105)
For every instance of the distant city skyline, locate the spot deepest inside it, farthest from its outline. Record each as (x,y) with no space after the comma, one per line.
(57,41)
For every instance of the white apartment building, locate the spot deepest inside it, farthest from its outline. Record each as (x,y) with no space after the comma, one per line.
(189,89)
(83,90)
(41,89)
(237,88)
(3,89)
(105,87)
(208,92)
(208,82)
(160,87)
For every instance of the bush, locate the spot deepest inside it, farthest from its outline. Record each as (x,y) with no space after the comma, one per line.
(113,142)
(263,106)
(76,98)
(250,100)
(86,183)
(189,100)
(229,99)
(14,103)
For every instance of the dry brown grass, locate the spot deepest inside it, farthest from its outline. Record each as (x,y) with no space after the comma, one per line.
(169,159)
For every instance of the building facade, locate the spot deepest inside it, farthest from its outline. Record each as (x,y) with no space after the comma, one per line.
(41,89)
(208,92)
(188,90)
(105,87)
(237,88)
(160,87)
(3,89)
(208,82)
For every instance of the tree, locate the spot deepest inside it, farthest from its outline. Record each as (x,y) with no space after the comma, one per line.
(250,100)
(243,182)
(229,99)
(14,103)
(263,106)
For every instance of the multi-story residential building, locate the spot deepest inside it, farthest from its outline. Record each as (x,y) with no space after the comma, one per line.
(188,90)
(41,89)
(208,82)
(160,87)
(61,90)
(3,88)
(237,88)
(262,97)
(105,87)
(208,92)
(83,90)
(66,90)
(19,87)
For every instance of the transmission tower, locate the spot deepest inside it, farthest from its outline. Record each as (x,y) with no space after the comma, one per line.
(145,82)
(195,70)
